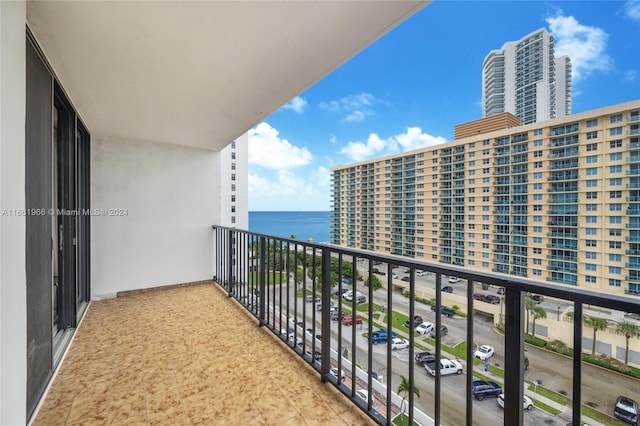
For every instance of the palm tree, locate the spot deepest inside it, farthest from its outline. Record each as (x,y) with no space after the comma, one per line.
(597,324)
(403,389)
(537,312)
(529,304)
(629,330)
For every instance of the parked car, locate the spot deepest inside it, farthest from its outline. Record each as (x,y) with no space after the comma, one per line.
(417,320)
(334,373)
(346,281)
(484,352)
(447,289)
(481,389)
(362,393)
(407,279)
(348,320)
(447,366)
(394,276)
(420,273)
(335,315)
(454,280)
(398,343)
(380,336)
(478,296)
(425,327)
(536,297)
(444,311)
(424,357)
(492,298)
(377,271)
(348,296)
(501,291)
(443,332)
(626,409)
(312,298)
(340,291)
(527,404)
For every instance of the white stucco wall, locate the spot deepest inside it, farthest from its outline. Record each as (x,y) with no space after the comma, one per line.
(13,296)
(169,195)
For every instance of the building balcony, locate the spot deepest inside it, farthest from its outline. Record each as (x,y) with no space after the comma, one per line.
(188,354)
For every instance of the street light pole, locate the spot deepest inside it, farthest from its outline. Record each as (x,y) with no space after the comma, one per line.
(558,313)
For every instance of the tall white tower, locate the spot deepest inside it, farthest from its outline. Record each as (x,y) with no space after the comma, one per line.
(525,79)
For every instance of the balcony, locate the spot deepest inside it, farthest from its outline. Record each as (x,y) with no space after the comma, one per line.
(187,354)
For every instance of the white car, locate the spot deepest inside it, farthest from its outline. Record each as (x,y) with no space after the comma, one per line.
(454,280)
(425,328)
(447,366)
(527,404)
(334,373)
(394,276)
(362,393)
(399,343)
(421,273)
(484,352)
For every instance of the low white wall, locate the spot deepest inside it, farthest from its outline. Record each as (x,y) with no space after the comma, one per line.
(13,290)
(153,206)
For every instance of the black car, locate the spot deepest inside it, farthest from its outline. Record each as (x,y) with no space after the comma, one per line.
(536,297)
(417,320)
(490,298)
(480,389)
(443,332)
(445,311)
(626,409)
(424,357)
(340,292)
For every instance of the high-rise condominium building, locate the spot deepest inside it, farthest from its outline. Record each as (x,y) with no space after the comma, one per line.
(526,79)
(556,201)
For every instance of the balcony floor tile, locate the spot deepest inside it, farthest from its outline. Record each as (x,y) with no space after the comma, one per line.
(186,355)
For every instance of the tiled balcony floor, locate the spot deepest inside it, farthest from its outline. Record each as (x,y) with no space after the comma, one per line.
(186,355)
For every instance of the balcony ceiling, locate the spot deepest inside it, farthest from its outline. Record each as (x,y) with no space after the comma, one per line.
(199,73)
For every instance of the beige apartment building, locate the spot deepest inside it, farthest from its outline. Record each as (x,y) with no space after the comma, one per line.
(556,201)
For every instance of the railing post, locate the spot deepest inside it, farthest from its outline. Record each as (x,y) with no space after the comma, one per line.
(577,362)
(514,357)
(325,343)
(262,279)
(230,275)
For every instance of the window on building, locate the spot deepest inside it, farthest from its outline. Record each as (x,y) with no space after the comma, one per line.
(615,244)
(591,243)
(592,135)
(615,182)
(592,147)
(615,144)
(613,232)
(615,131)
(615,194)
(615,169)
(616,118)
(615,156)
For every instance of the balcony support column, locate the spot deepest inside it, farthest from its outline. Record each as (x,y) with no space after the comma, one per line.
(514,357)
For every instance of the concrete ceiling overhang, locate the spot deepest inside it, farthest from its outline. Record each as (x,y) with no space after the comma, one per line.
(199,73)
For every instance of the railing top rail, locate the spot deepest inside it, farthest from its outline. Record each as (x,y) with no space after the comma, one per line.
(617,302)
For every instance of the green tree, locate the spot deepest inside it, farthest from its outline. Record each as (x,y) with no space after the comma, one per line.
(404,389)
(537,312)
(529,305)
(376,282)
(597,324)
(629,330)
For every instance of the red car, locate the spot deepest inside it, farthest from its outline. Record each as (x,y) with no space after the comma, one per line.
(348,320)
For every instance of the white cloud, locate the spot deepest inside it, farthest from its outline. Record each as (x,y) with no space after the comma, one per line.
(586,46)
(288,191)
(268,150)
(630,75)
(411,139)
(296,104)
(356,107)
(631,10)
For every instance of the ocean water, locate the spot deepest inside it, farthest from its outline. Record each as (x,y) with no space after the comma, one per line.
(303,225)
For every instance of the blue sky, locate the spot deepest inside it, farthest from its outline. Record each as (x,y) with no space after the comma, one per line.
(412,86)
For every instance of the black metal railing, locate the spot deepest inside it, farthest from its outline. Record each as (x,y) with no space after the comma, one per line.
(290,286)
